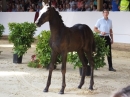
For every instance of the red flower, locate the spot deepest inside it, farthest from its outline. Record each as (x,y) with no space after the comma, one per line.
(33,57)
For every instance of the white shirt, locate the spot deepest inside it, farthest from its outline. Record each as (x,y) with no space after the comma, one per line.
(104,25)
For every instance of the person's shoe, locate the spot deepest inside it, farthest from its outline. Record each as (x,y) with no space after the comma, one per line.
(112,69)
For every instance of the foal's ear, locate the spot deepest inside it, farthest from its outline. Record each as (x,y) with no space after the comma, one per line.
(50,3)
(43,3)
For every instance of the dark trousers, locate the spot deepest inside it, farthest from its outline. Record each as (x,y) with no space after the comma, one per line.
(108,43)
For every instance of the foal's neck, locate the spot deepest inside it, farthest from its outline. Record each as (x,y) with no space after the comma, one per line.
(56,25)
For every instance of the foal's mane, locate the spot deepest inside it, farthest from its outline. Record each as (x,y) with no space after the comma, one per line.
(56,13)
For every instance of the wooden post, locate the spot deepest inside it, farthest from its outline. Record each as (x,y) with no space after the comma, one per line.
(99,5)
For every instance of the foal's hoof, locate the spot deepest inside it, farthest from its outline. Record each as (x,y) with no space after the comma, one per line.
(79,87)
(90,88)
(45,90)
(61,92)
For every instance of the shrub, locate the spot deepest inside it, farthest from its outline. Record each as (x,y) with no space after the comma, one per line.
(1,30)
(43,50)
(22,36)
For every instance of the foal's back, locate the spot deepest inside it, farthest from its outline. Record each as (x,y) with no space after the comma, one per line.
(79,36)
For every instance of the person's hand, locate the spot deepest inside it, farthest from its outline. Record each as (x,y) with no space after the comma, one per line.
(111,41)
(103,33)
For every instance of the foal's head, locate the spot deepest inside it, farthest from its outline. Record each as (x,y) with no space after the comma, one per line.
(44,15)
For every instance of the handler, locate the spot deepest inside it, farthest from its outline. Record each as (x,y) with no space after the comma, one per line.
(103,27)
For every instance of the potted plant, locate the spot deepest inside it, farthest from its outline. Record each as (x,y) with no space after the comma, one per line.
(43,50)
(22,36)
(34,62)
(1,30)
(99,55)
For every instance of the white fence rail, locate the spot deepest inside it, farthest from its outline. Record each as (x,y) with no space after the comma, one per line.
(121,21)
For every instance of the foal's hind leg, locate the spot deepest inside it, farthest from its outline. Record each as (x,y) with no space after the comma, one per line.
(91,62)
(51,68)
(63,70)
(84,67)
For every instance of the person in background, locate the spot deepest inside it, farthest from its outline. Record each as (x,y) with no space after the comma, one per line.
(87,7)
(68,8)
(103,27)
(94,8)
(124,5)
(74,7)
(0,9)
(110,7)
(115,5)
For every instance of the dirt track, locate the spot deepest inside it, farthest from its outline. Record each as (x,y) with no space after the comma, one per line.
(19,80)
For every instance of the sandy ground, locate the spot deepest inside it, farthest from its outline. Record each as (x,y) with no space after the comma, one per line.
(19,80)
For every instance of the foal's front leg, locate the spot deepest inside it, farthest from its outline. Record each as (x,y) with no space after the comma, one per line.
(51,68)
(63,70)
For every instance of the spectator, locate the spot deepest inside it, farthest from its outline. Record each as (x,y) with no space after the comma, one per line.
(26,5)
(110,7)
(106,3)
(87,2)
(71,3)
(91,5)
(38,8)
(95,2)
(60,8)
(75,2)
(53,3)
(22,9)
(124,5)
(64,7)
(1,4)
(115,5)
(19,8)
(74,7)
(105,6)
(79,4)
(13,8)
(0,9)
(31,9)
(68,8)
(56,7)
(40,3)
(67,2)
(9,7)
(83,7)
(94,8)
(87,8)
